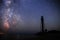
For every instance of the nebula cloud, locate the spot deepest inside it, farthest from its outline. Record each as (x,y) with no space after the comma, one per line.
(10,17)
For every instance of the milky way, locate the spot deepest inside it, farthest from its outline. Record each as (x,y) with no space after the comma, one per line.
(10,17)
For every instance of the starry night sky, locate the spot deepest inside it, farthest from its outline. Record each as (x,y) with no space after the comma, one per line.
(31,11)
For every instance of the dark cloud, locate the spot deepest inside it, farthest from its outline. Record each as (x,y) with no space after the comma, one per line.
(1,2)
(56,2)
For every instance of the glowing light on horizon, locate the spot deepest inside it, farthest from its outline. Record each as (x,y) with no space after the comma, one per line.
(6,25)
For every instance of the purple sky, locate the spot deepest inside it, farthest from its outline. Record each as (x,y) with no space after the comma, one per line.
(30,12)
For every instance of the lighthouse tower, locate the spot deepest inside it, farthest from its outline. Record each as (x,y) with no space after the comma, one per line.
(42,23)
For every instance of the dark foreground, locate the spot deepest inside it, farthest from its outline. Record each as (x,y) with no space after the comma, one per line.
(41,36)
(19,37)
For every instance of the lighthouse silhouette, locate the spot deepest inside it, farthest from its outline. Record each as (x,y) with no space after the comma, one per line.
(42,23)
